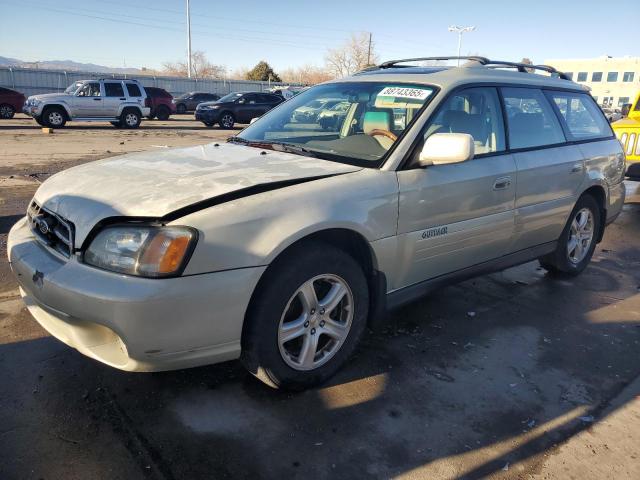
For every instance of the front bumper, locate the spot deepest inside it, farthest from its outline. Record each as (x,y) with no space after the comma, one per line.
(132,323)
(32,111)
(209,116)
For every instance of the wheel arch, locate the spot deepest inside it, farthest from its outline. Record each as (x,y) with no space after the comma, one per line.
(347,240)
(64,107)
(129,106)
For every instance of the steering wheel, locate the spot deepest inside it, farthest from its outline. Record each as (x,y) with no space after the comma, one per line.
(383,133)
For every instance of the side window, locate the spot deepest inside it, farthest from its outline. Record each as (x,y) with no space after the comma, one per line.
(134,90)
(475,111)
(113,89)
(583,118)
(530,117)
(91,89)
(250,99)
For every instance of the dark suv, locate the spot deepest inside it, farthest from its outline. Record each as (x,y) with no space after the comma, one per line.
(10,102)
(160,102)
(239,107)
(188,102)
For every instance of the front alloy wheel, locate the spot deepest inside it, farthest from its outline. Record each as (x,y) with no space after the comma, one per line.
(6,111)
(316,322)
(227,121)
(307,316)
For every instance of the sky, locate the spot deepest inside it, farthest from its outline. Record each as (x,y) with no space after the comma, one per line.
(147,33)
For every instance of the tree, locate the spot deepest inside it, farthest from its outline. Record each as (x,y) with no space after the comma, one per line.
(527,61)
(201,67)
(262,72)
(354,55)
(307,75)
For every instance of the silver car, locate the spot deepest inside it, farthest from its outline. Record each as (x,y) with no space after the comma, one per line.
(121,102)
(282,245)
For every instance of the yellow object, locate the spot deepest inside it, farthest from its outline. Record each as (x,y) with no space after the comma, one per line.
(47,130)
(628,132)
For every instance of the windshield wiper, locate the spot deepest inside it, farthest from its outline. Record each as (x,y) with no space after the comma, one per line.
(276,146)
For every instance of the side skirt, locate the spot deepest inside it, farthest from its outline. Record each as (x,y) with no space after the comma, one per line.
(405,295)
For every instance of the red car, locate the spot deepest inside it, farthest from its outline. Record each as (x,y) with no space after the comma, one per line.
(10,102)
(160,102)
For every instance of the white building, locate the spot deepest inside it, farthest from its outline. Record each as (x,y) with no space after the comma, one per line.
(613,81)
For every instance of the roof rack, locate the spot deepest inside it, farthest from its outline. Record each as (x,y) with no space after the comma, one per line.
(521,67)
(393,63)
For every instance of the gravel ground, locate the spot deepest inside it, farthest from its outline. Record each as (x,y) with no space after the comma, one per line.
(512,375)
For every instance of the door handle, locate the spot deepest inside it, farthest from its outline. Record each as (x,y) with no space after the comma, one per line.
(123,99)
(577,167)
(97,99)
(502,183)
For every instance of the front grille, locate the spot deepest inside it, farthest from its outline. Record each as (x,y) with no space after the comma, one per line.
(52,230)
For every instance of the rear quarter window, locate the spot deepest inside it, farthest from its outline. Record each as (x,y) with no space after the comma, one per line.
(582,117)
(134,90)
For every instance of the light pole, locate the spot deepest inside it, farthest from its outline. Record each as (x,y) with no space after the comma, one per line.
(460,31)
(188,40)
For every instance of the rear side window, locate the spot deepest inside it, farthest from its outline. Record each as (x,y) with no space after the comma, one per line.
(530,118)
(113,89)
(583,118)
(134,90)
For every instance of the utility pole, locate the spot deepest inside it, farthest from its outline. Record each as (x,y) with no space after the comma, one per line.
(460,31)
(369,51)
(188,40)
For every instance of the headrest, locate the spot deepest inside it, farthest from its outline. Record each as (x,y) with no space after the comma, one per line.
(376,120)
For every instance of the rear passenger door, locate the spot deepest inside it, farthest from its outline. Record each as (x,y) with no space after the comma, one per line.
(458,215)
(549,170)
(114,96)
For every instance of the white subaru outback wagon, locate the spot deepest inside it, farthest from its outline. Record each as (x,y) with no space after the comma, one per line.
(280,246)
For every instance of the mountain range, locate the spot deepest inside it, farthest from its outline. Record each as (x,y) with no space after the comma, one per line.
(67,65)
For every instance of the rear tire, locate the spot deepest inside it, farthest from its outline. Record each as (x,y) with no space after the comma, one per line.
(130,118)
(324,331)
(578,239)
(162,113)
(7,111)
(54,117)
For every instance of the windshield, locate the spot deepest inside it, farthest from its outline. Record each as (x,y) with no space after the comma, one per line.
(230,97)
(375,115)
(73,87)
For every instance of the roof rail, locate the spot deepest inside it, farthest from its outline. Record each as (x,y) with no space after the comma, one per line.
(120,78)
(393,63)
(521,67)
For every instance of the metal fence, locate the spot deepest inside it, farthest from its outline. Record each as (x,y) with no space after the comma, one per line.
(34,81)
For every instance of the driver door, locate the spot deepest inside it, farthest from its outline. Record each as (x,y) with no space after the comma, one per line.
(458,215)
(88,101)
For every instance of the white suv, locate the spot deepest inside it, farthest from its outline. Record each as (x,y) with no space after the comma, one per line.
(282,245)
(121,102)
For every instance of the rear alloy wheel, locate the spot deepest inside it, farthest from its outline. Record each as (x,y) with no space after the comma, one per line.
(54,117)
(7,111)
(227,120)
(130,118)
(578,240)
(162,113)
(308,315)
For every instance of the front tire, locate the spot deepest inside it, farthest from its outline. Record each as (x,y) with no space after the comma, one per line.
(54,117)
(7,111)
(578,239)
(227,120)
(308,315)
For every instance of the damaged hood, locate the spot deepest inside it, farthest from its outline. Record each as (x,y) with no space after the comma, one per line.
(157,183)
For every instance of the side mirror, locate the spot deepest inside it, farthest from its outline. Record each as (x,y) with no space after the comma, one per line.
(445,148)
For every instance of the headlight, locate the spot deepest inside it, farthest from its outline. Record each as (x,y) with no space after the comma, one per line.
(209,107)
(144,251)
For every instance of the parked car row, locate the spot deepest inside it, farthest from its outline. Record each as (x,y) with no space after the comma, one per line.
(125,102)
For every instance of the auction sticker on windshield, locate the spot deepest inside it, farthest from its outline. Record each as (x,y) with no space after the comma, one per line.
(402,97)
(404,92)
